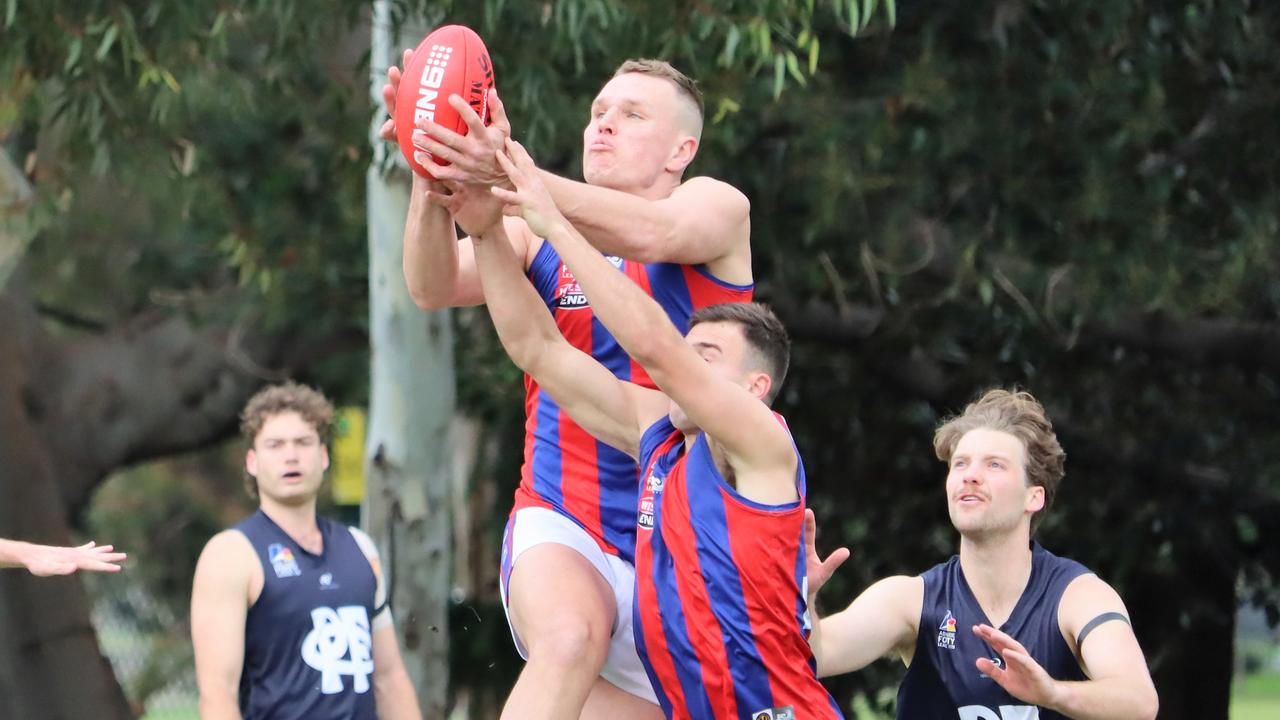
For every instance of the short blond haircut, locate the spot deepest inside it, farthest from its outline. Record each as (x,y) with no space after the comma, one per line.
(686,87)
(1018,413)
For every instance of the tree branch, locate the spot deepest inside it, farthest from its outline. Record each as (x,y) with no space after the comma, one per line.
(157,385)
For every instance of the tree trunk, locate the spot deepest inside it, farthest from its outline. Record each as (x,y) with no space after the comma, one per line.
(50,664)
(411,406)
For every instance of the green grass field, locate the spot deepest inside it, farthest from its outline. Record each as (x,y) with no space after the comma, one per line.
(1256,697)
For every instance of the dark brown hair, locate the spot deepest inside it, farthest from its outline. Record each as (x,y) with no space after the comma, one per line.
(766,336)
(1018,413)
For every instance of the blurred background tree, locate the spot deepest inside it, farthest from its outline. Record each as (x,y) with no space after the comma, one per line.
(1077,197)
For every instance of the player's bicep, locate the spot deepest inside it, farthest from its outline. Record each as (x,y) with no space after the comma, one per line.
(593,397)
(1095,617)
(710,219)
(219,608)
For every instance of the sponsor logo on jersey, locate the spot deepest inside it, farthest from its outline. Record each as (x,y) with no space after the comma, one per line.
(327,583)
(947,632)
(569,295)
(781,713)
(340,644)
(282,561)
(648,500)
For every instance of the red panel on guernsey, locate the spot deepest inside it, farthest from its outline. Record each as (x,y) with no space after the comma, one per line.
(565,469)
(720,605)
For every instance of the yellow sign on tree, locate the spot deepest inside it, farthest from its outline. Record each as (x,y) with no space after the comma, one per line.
(348,456)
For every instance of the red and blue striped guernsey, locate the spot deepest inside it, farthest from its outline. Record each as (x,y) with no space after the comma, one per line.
(720,606)
(565,469)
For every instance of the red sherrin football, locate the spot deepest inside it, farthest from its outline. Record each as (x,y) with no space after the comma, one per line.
(451,60)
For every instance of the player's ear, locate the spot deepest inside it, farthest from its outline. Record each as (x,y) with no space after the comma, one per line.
(251,462)
(1035,498)
(759,384)
(324,457)
(683,154)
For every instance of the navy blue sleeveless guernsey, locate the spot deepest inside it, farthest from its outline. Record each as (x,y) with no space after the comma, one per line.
(944,682)
(308,647)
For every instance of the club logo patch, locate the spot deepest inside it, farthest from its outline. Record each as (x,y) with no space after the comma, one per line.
(947,632)
(282,561)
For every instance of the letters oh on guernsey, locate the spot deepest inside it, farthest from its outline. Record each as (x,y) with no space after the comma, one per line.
(340,644)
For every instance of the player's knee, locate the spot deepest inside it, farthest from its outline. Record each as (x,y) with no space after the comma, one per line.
(571,643)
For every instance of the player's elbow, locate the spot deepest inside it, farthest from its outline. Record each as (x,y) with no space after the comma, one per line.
(529,353)
(1148,704)
(650,348)
(649,243)
(427,298)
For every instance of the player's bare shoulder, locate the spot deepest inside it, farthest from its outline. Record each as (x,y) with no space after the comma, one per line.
(1085,598)
(730,198)
(229,559)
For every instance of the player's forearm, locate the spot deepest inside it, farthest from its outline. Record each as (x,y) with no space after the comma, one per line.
(614,222)
(636,320)
(430,251)
(1106,699)
(523,325)
(396,698)
(12,553)
(219,706)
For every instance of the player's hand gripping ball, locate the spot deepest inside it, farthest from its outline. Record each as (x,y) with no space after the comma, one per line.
(452,60)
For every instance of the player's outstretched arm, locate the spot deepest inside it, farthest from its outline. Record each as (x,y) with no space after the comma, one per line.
(614,412)
(219,609)
(45,560)
(883,620)
(1119,685)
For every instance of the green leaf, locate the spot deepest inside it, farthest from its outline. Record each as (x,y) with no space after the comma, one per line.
(171,81)
(730,46)
(10,11)
(218,24)
(891,7)
(779,75)
(726,106)
(108,40)
(73,54)
(793,67)
(855,17)
(986,291)
(868,7)
(813,56)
